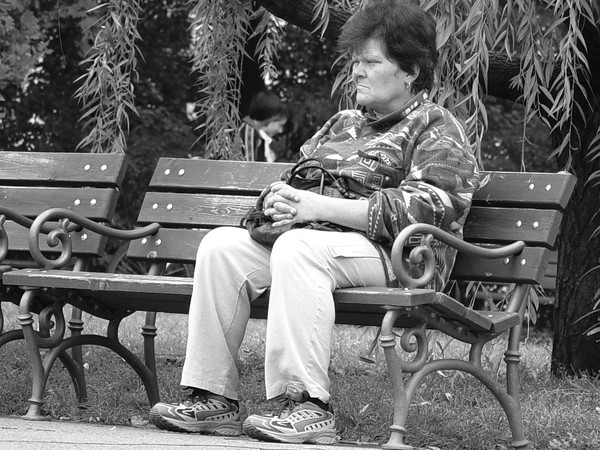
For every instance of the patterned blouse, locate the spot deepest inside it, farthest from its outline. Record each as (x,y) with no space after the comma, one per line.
(413,166)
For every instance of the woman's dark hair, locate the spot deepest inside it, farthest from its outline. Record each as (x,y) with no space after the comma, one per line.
(406,31)
(265,105)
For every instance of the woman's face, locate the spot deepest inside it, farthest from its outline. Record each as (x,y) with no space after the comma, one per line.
(380,83)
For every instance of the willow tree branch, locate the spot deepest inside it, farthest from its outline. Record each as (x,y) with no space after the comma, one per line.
(300,14)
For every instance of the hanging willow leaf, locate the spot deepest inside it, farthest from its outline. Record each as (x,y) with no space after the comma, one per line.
(270,33)
(106,91)
(321,16)
(219,32)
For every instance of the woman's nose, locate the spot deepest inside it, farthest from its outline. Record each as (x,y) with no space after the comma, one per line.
(357,70)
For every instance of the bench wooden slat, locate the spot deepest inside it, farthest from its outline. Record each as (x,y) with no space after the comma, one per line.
(548,282)
(504,225)
(384,296)
(97,204)
(451,310)
(522,189)
(179,245)
(510,189)
(484,225)
(51,168)
(168,244)
(501,320)
(528,267)
(61,168)
(194,209)
(175,174)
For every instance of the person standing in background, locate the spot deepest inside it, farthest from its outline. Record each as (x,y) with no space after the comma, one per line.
(266,118)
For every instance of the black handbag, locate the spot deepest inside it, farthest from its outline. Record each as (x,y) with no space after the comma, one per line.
(261,227)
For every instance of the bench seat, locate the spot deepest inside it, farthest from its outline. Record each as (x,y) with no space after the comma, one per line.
(111,291)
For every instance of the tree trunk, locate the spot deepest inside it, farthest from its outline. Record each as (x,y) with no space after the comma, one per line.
(578,277)
(301,13)
(573,352)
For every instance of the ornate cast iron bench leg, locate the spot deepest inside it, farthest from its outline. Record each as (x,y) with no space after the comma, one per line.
(149,334)
(33,340)
(58,346)
(396,368)
(71,364)
(415,340)
(76,328)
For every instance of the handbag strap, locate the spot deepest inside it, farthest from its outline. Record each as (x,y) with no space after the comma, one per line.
(300,166)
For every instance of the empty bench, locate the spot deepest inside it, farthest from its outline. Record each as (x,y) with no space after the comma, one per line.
(509,234)
(32,182)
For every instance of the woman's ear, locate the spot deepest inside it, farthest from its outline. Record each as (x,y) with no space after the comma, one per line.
(415,73)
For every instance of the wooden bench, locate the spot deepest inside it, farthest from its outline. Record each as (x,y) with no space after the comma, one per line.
(32,182)
(514,221)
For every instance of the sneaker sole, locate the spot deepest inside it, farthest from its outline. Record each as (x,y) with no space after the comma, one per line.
(214,428)
(324,437)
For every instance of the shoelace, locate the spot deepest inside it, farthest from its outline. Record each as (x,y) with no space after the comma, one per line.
(287,405)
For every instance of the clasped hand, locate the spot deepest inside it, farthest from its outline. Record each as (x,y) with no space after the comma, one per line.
(285,204)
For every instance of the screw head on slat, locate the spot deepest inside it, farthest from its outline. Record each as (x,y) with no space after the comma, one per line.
(536,225)
(181,172)
(169,207)
(84,237)
(548,187)
(86,167)
(103,167)
(523,262)
(144,241)
(167,172)
(519,224)
(93,202)
(506,261)
(155,206)
(531,186)
(157,242)
(77,202)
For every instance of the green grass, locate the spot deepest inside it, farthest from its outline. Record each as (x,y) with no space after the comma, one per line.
(450,411)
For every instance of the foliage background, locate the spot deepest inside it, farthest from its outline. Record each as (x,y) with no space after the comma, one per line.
(44,115)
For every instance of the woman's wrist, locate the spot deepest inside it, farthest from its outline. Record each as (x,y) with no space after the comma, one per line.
(349,213)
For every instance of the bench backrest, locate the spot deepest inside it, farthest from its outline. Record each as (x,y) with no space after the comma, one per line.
(32,182)
(189,197)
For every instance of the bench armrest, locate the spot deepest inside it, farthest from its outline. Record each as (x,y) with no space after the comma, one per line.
(20,219)
(69,220)
(422,253)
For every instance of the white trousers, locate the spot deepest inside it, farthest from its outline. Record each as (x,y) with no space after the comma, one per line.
(303,268)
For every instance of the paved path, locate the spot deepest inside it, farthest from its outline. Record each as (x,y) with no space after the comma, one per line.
(20,434)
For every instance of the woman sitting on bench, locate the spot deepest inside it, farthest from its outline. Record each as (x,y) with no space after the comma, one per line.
(404,159)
